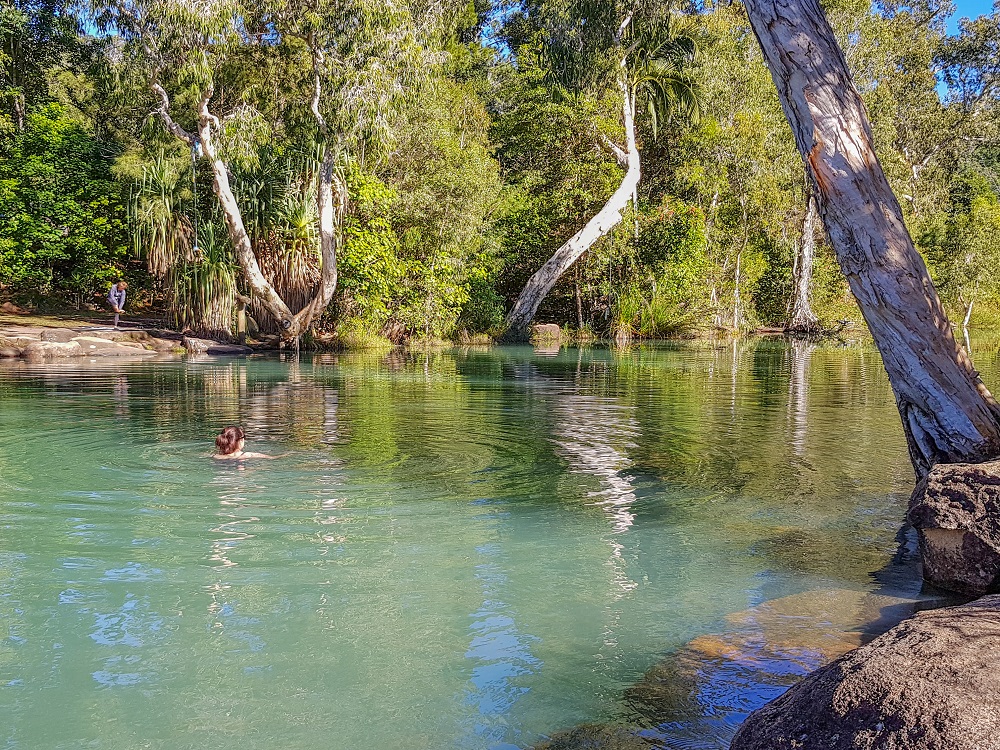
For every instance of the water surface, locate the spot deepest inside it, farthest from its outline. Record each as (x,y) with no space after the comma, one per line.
(461,549)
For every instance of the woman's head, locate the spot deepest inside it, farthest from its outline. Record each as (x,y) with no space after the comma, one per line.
(228,441)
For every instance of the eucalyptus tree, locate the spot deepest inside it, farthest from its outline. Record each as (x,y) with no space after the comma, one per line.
(947,412)
(595,47)
(349,61)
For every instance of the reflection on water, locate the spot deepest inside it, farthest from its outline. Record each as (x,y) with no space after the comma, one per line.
(465,549)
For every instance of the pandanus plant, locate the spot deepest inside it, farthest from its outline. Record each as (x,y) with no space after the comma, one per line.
(279,208)
(196,272)
(163,233)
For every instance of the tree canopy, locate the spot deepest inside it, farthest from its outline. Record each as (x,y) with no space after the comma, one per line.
(402,170)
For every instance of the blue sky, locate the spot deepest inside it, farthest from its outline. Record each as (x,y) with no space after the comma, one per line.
(969,9)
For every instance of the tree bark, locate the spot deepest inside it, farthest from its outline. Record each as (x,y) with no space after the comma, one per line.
(238,236)
(803,320)
(269,298)
(539,285)
(948,414)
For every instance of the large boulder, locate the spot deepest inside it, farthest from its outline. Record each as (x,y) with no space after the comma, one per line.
(59,335)
(96,346)
(546,332)
(38,351)
(930,683)
(956,510)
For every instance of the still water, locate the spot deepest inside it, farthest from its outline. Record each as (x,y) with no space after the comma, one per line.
(461,549)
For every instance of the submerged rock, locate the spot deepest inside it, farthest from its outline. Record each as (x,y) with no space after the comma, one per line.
(596,737)
(929,683)
(700,694)
(957,512)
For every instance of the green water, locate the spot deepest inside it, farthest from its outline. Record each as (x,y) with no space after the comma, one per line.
(466,549)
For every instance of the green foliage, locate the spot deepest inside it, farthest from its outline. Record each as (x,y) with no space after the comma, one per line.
(204,288)
(62,215)
(961,245)
(665,294)
(369,263)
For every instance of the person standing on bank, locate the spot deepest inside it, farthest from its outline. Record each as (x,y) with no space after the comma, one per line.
(116,298)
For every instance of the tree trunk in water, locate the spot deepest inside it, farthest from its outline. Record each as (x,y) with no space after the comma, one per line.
(948,414)
(579,301)
(607,218)
(803,320)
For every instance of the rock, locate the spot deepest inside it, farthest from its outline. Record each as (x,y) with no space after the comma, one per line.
(930,682)
(546,332)
(596,737)
(705,689)
(10,307)
(196,346)
(9,352)
(207,346)
(60,335)
(163,346)
(94,346)
(956,511)
(41,350)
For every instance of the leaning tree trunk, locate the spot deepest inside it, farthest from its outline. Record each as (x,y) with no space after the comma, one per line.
(802,319)
(607,218)
(948,414)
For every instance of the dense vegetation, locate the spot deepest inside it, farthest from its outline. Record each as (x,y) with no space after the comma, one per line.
(442,153)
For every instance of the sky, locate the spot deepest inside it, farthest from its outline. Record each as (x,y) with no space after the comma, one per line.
(969,9)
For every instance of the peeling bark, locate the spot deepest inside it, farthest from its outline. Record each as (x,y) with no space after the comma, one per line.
(948,414)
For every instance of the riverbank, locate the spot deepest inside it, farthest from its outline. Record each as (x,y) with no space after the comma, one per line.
(39,338)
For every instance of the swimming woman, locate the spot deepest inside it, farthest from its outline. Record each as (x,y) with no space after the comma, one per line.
(230,444)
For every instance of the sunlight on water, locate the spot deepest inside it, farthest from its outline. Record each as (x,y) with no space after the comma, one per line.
(465,549)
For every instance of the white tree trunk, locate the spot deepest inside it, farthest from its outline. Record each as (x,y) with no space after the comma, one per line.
(607,218)
(803,319)
(255,278)
(948,414)
(331,201)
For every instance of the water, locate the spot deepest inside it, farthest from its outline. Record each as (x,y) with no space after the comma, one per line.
(464,549)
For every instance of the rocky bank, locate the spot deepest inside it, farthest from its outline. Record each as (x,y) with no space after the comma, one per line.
(40,344)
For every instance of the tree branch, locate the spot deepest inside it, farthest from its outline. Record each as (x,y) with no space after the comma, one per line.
(620,156)
(164,113)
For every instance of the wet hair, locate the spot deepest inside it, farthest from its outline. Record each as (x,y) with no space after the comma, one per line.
(229,439)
